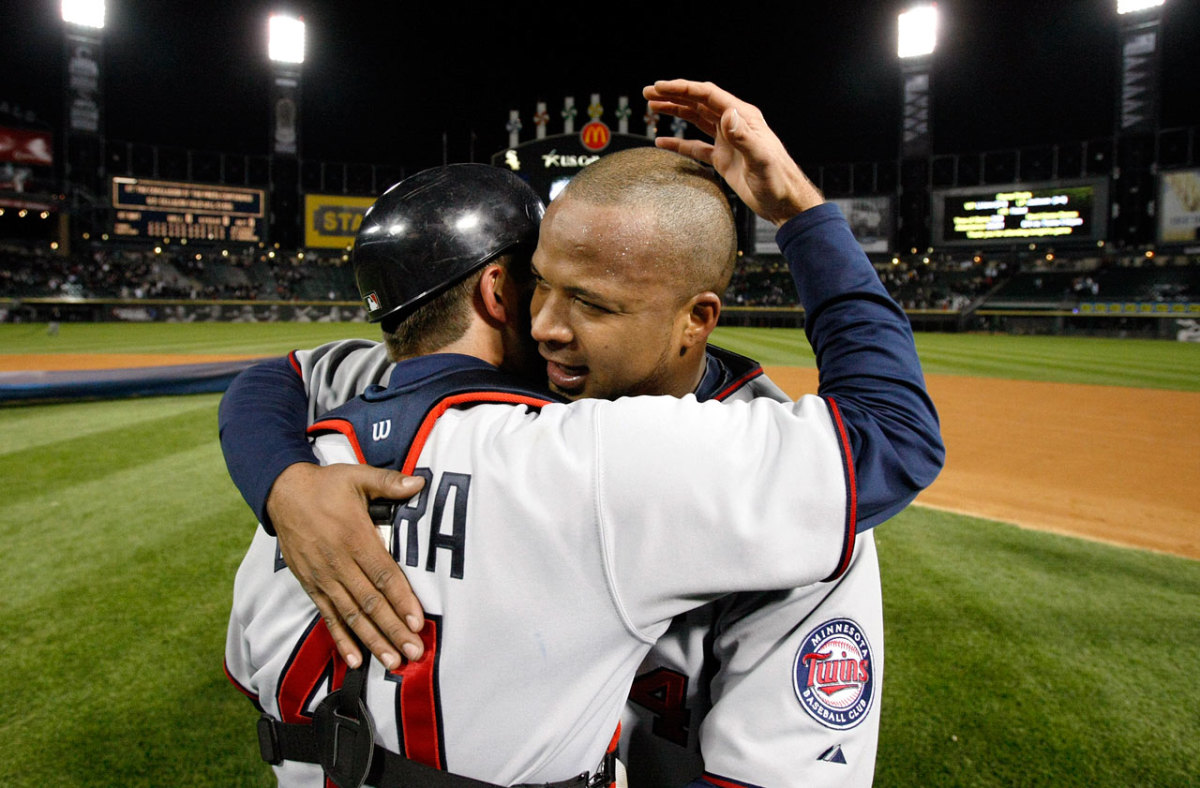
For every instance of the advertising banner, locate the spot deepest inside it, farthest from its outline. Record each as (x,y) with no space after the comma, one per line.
(26,146)
(330,221)
(1179,207)
(870,220)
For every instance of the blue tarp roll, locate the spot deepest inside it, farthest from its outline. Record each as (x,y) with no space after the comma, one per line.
(38,386)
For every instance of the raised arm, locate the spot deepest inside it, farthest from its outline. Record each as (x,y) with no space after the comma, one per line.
(868,366)
(319,513)
(744,150)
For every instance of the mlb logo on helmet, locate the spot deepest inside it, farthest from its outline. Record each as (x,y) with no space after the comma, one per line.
(833,674)
(372,301)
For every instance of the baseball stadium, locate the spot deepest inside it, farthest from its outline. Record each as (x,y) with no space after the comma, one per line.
(1041,598)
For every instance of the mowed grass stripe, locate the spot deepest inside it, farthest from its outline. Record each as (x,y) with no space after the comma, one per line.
(773,347)
(1135,363)
(95,454)
(28,427)
(1022,658)
(1084,354)
(1058,368)
(110,518)
(113,615)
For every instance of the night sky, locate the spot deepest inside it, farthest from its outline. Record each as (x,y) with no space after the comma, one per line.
(383,82)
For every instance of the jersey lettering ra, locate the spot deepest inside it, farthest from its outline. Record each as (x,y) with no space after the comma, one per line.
(445,529)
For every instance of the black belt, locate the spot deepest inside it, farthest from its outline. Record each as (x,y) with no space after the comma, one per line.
(341,738)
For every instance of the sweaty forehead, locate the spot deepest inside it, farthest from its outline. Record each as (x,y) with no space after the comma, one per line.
(605,240)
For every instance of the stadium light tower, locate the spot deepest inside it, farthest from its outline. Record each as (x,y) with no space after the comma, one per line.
(1136,120)
(83,112)
(285,50)
(85,13)
(916,43)
(1141,23)
(1133,6)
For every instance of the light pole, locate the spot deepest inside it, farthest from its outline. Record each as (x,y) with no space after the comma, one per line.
(285,49)
(916,42)
(1136,119)
(83,113)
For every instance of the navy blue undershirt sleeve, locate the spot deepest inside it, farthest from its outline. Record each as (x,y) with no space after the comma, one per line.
(868,361)
(262,420)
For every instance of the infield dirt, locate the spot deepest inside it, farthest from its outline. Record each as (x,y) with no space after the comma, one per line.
(1116,464)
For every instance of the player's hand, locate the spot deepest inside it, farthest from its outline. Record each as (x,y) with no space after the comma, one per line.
(332,547)
(744,150)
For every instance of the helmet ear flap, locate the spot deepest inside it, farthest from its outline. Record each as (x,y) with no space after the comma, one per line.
(431,230)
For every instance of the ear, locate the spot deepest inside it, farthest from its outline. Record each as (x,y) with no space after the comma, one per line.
(703,309)
(491,286)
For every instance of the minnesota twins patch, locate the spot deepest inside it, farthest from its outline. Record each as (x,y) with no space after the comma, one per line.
(833,674)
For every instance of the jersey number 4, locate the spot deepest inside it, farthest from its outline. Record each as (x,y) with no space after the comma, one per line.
(663,693)
(315,666)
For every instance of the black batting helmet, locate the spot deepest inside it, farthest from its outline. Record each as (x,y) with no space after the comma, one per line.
(431,230)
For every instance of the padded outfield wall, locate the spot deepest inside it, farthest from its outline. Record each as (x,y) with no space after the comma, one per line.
(1127,320)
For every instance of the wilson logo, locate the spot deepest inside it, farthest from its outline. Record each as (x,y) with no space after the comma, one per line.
(381,429)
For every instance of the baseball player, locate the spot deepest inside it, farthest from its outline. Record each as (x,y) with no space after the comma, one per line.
(664,692)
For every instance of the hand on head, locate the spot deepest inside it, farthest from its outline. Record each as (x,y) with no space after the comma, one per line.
(744,150)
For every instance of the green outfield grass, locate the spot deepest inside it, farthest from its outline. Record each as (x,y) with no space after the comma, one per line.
(1013,657)
(1140,363)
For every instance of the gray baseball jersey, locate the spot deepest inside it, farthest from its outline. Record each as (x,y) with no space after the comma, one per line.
(593,525)
(697,690)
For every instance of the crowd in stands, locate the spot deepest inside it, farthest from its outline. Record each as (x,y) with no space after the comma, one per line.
(122,273)
(954,282)
(937,282)
(922,283)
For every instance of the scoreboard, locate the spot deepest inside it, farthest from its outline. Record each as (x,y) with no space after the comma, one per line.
(1061,212)
(192,211)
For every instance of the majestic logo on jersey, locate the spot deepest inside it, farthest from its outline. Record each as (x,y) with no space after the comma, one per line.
(834,674)
(833,755)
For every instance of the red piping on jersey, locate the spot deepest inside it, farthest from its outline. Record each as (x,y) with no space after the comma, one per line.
(612,749)
(338,425)
(851,492)
(737,384)
(295,364)
(725,782)
(251,695)
(410,462)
